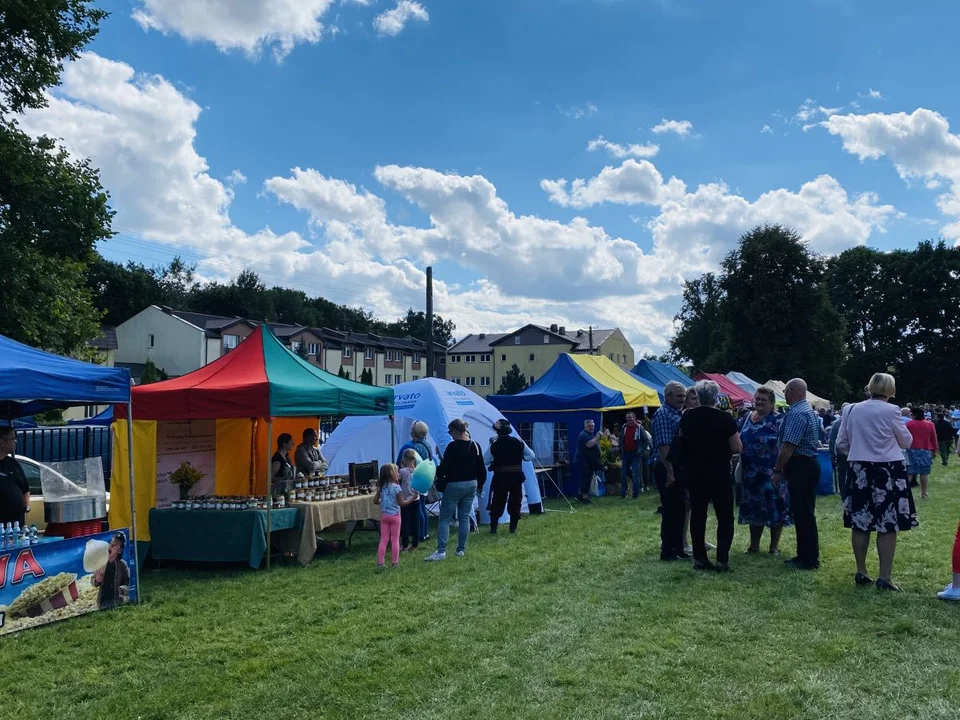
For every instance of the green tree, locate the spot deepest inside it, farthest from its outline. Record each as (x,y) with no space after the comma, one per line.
(366,377)
(302,351)
(768,314)
(150,373)
(700,322)
(53,209)
(414,324)
(513,382)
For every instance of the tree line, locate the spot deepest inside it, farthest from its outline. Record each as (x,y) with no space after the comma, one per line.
(777,310)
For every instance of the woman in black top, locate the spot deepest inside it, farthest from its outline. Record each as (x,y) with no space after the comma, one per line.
(281,467)
(460,477)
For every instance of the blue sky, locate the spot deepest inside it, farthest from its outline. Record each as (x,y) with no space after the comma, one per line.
(437,131)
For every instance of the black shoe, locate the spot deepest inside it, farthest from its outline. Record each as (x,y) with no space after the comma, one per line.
(635,497)
(884,585)
(751,551)
(703,565)
(722,568)
(668,557)
(658,511)
(799,564)
(861,579)
(684,555)
(513,531)
(583,500)
(493,529)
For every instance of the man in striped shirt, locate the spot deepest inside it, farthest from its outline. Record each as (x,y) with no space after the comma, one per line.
(666,422)
(799,443)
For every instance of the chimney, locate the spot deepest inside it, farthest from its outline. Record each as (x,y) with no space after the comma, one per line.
(553,328)
(563,330)
(482,335)
(590,332)
(579,333)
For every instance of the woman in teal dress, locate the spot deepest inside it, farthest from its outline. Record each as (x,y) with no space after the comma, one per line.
(762,504)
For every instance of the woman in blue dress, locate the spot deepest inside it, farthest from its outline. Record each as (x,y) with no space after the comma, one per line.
(762,504)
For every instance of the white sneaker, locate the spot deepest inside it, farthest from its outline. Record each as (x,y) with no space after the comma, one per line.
(950,593)
(436,556)
(461,553)
(688,549)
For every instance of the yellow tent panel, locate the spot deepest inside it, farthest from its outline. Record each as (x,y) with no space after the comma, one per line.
(611,375)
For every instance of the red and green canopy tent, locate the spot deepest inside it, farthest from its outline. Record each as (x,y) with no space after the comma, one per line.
(255,390)
(260,378)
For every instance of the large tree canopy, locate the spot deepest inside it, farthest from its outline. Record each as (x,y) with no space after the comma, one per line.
(53,209)
(767,314)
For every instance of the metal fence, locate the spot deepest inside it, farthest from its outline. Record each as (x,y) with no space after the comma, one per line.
(61,444)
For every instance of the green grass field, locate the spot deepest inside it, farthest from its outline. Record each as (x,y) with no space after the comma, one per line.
(573,618)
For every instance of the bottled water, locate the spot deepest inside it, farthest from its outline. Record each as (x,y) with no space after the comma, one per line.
(33,535)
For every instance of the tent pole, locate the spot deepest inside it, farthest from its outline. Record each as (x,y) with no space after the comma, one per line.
(269,488)
(133,499)
(393,439)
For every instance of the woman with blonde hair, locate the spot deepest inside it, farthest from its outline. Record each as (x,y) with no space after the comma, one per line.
(418,443)
(878,498)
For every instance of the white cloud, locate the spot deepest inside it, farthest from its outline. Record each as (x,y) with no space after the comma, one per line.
(140,131)
(237,178)
(246,25)
(766,129)
(392,22)
(872,94)
(810,111)
(680,127)
(577,112)
(919,144)
(632,183)
(648,150)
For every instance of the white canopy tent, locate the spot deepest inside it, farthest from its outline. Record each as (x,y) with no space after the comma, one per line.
(435,402)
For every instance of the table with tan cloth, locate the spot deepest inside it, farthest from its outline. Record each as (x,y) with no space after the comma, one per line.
(320,515)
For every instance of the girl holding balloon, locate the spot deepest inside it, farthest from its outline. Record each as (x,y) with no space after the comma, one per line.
(391,499)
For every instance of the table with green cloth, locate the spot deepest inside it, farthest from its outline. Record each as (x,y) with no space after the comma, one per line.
(217,535)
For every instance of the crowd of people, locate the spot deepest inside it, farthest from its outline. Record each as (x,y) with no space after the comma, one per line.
(763,459)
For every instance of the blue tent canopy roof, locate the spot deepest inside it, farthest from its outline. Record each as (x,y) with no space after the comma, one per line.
(658,374)
(33,381)
(565,386)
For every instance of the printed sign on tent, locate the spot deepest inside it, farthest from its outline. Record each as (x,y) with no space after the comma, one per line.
(40,584)
(179,441)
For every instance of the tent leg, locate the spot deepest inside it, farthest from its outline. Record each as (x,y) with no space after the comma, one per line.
(269,488)
(133,499)
(393,439)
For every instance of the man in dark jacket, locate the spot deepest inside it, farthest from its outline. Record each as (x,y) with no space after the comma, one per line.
(505,458)
(945,435)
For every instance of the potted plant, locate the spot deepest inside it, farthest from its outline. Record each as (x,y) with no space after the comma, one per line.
(610,460)
(186,477)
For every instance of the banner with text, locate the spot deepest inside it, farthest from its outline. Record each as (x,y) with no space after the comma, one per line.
(51,581)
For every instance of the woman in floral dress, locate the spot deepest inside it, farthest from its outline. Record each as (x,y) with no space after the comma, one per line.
(762,504)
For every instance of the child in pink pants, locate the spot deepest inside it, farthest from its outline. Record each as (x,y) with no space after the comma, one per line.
(390,498)
(952,591)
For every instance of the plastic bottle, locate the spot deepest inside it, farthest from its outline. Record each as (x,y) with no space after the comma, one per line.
(33,535)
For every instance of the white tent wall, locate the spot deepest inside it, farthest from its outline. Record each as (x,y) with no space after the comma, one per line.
(436,402)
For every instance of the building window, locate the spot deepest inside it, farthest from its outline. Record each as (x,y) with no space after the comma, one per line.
(416,377)
(503,357)
(443,359)
(296,345)
(454,358)
(611,355)
(368,353)
(532,379)
(456,380)
(485,358)
(470,358)
(516,340)
(484,382)
(313,349)
(470,381)
(416,358)
(531,357)
(346,352)
(150,341)
(546,339)
(503,380)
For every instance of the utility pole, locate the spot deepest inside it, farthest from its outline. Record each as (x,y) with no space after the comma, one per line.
(590,331)
(430,322)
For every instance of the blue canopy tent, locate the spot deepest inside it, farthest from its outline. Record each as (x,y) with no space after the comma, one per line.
(33,381)
(658,374)
(746,383)
(572,391)
(104,418)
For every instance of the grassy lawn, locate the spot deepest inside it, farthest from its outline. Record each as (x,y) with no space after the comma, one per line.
(572,618)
